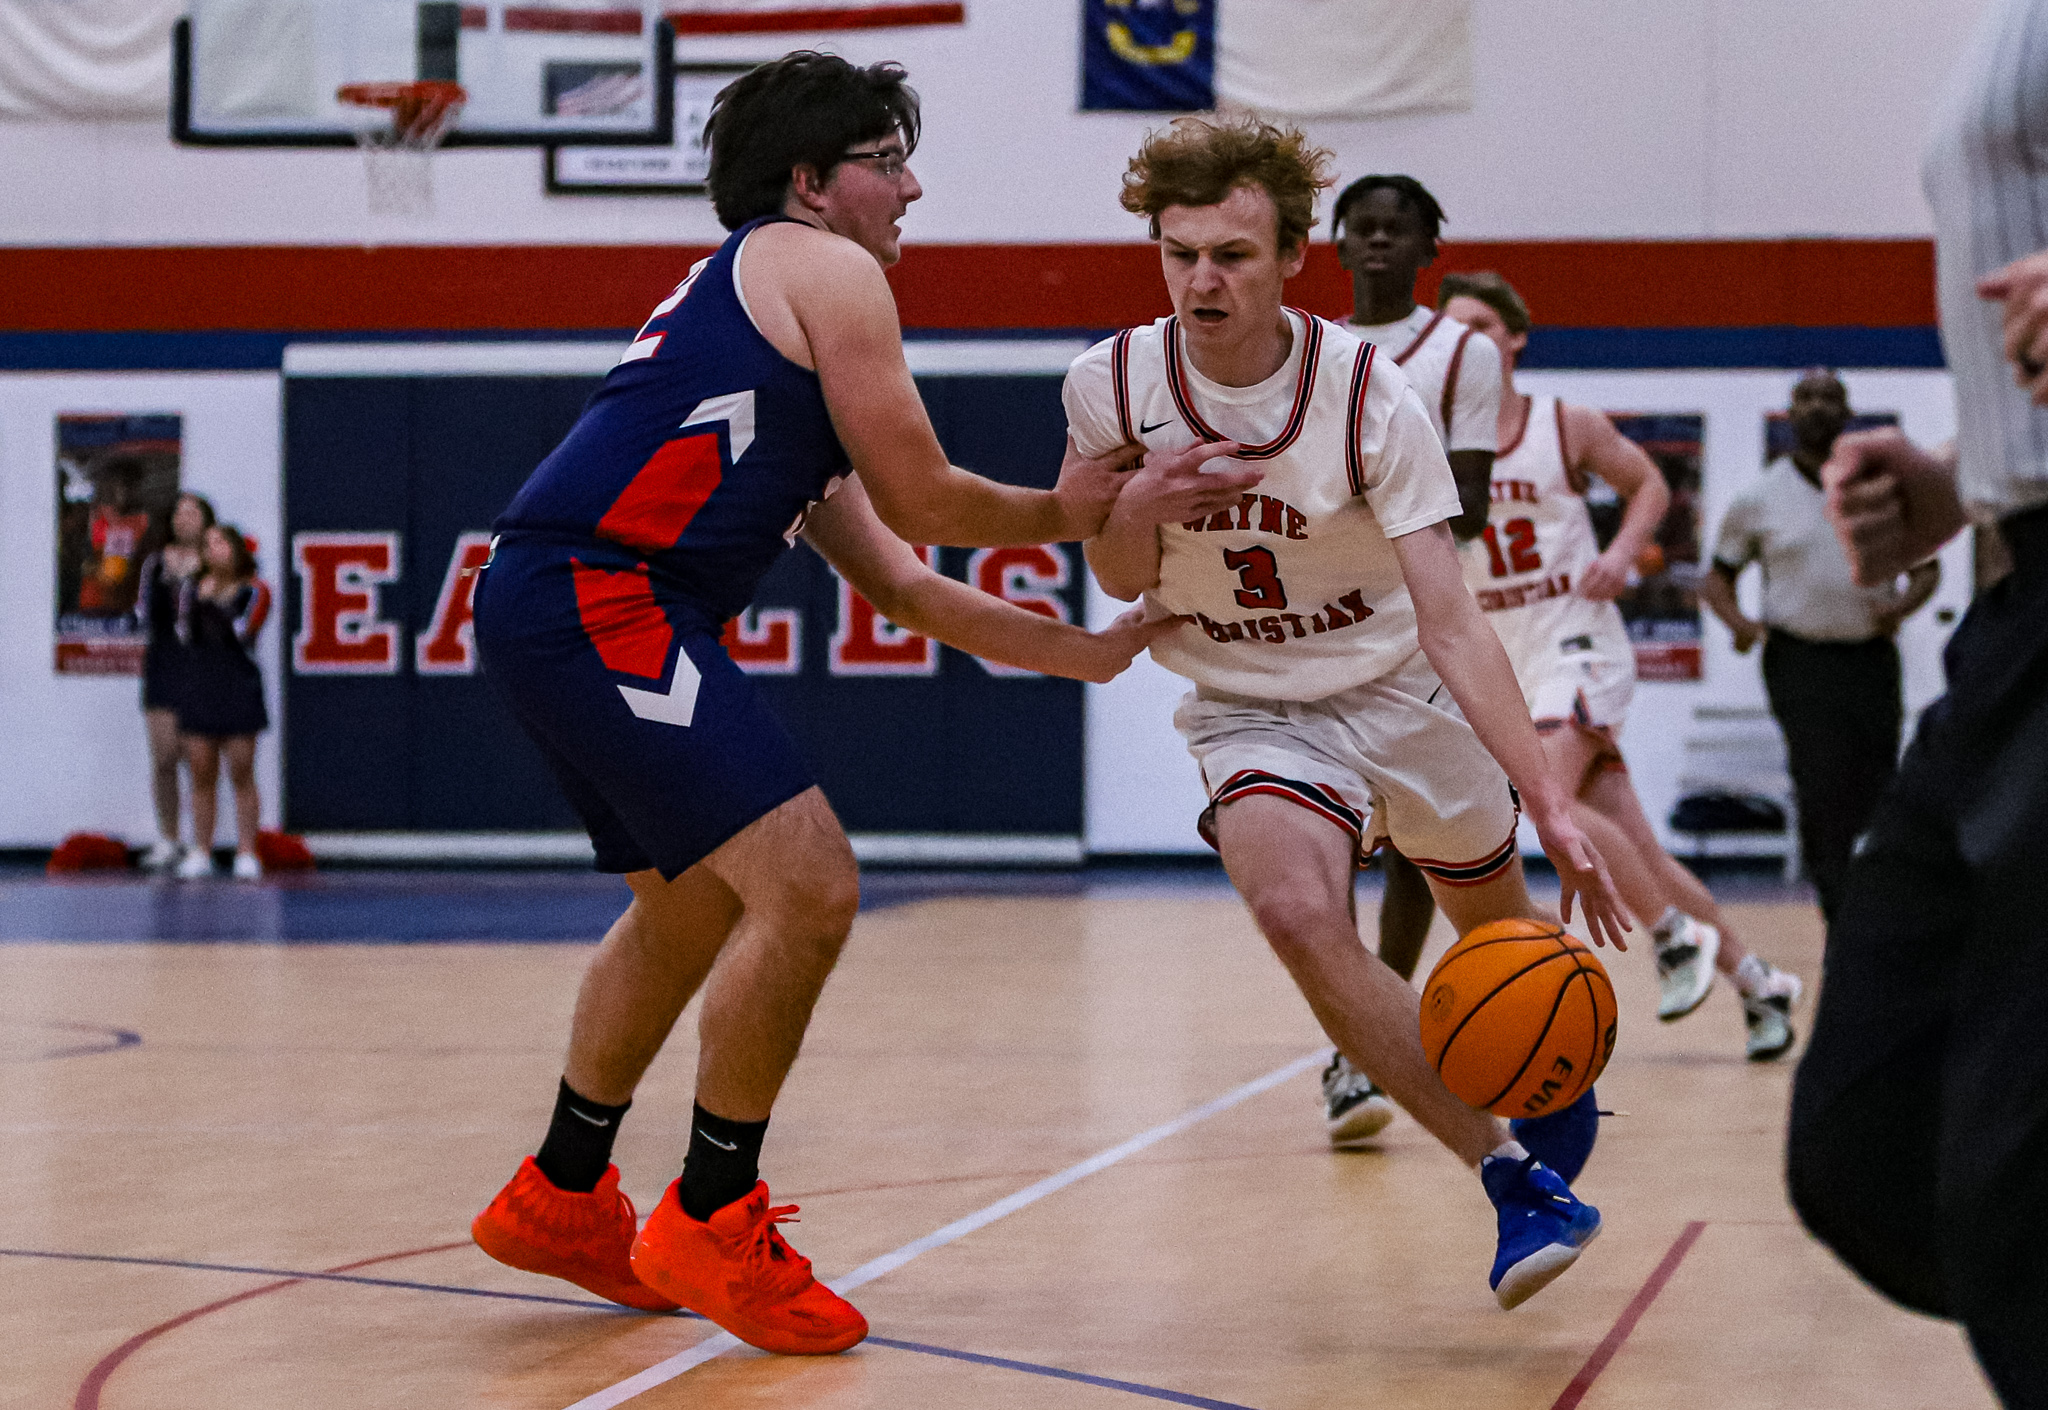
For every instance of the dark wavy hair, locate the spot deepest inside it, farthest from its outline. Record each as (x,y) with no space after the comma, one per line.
(804,109)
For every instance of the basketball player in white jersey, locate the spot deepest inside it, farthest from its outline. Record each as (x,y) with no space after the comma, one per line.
(1542,580)
(1328,603)
(1386,232)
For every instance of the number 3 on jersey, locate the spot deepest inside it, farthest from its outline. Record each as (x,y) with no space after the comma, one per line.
(1257,569)
(1521,556)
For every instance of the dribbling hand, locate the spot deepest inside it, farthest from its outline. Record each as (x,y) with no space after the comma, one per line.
(1582,875)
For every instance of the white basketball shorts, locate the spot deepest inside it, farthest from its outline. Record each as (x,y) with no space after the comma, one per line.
(1576,665)
(1390,761)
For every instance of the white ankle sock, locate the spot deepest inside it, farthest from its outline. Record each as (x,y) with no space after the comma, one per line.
(1751,975)
(1508,1150)
(1667,923)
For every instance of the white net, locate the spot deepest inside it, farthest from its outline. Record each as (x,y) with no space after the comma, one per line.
(398,167)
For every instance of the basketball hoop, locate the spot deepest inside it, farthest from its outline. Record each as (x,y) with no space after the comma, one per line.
(395,158)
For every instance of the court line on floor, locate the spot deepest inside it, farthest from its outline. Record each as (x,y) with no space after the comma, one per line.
(295,1275)
(89,1390)
(665,1371)
(1630,1315)
(96,1379)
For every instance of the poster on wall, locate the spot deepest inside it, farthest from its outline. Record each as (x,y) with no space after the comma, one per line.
(1662,605)
(678,169)
(117,480)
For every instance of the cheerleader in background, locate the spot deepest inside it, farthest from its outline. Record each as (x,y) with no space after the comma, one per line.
(163,578)
(220,695)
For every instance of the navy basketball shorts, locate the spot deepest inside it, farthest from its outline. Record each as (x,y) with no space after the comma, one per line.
(662,745)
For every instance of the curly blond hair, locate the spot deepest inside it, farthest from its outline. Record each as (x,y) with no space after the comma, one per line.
(1199,161)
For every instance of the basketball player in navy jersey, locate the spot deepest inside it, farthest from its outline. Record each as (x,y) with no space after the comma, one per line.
(766,397)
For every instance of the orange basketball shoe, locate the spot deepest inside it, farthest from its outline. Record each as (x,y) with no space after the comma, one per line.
(736,1270)
(587,1239)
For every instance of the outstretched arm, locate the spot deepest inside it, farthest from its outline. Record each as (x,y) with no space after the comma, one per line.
(1468,656)
(883,569)
(823,302)
(1598,449)
(1171,487)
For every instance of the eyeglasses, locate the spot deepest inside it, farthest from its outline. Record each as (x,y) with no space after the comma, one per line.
(888,165)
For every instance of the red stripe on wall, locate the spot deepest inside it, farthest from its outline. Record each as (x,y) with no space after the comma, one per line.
(1569,284)
(536,20)
(819,17)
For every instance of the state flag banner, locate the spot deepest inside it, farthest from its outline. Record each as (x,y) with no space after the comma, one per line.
(1148,56)
(1287,58)
(780,16)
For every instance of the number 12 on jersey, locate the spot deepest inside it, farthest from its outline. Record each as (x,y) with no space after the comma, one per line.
(1521,555)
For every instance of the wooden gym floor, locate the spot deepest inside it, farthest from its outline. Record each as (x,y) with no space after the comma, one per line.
(1065,1133)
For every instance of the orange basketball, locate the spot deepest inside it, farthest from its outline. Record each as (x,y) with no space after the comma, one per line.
(1518,1018)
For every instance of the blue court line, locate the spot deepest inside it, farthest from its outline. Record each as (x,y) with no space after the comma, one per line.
(120,1038)
(1032,1368)
(587,1303)
(973,1357)
(409,908)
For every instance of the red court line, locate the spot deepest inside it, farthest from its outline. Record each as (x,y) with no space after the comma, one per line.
(1630,1315)
(96,1379)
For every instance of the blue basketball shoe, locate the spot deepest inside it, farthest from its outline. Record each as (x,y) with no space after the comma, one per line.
(1563,1139)
(1543,1226)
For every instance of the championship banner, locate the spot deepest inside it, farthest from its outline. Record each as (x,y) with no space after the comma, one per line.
(779,16)
(1291,58)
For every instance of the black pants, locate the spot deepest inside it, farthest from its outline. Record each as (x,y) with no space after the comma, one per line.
(1838,704)
(1919,1137)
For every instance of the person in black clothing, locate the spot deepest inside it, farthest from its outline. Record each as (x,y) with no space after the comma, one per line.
(1831,666)
(163,577)
(220,695)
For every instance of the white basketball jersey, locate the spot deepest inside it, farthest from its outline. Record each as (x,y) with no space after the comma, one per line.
(1296,592)
(1455,371)
(1538,543)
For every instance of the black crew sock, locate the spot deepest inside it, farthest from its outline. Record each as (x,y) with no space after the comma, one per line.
(579,1143)
(723,1163)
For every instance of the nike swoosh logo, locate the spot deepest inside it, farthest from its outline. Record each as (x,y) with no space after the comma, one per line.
(1148,430)
(720,1144)
(593,1120)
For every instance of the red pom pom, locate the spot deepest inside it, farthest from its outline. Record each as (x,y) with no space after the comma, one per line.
(283,851)
(89,851)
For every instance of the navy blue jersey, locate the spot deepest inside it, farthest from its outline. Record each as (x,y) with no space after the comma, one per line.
(699,455)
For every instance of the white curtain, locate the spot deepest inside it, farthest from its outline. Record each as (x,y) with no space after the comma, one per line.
(1343,58)
(86,58)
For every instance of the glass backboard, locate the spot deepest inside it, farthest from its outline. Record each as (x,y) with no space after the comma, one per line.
(536,72)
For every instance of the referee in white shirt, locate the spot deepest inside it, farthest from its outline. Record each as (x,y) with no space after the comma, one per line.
(1919,1140)
(1831,668)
